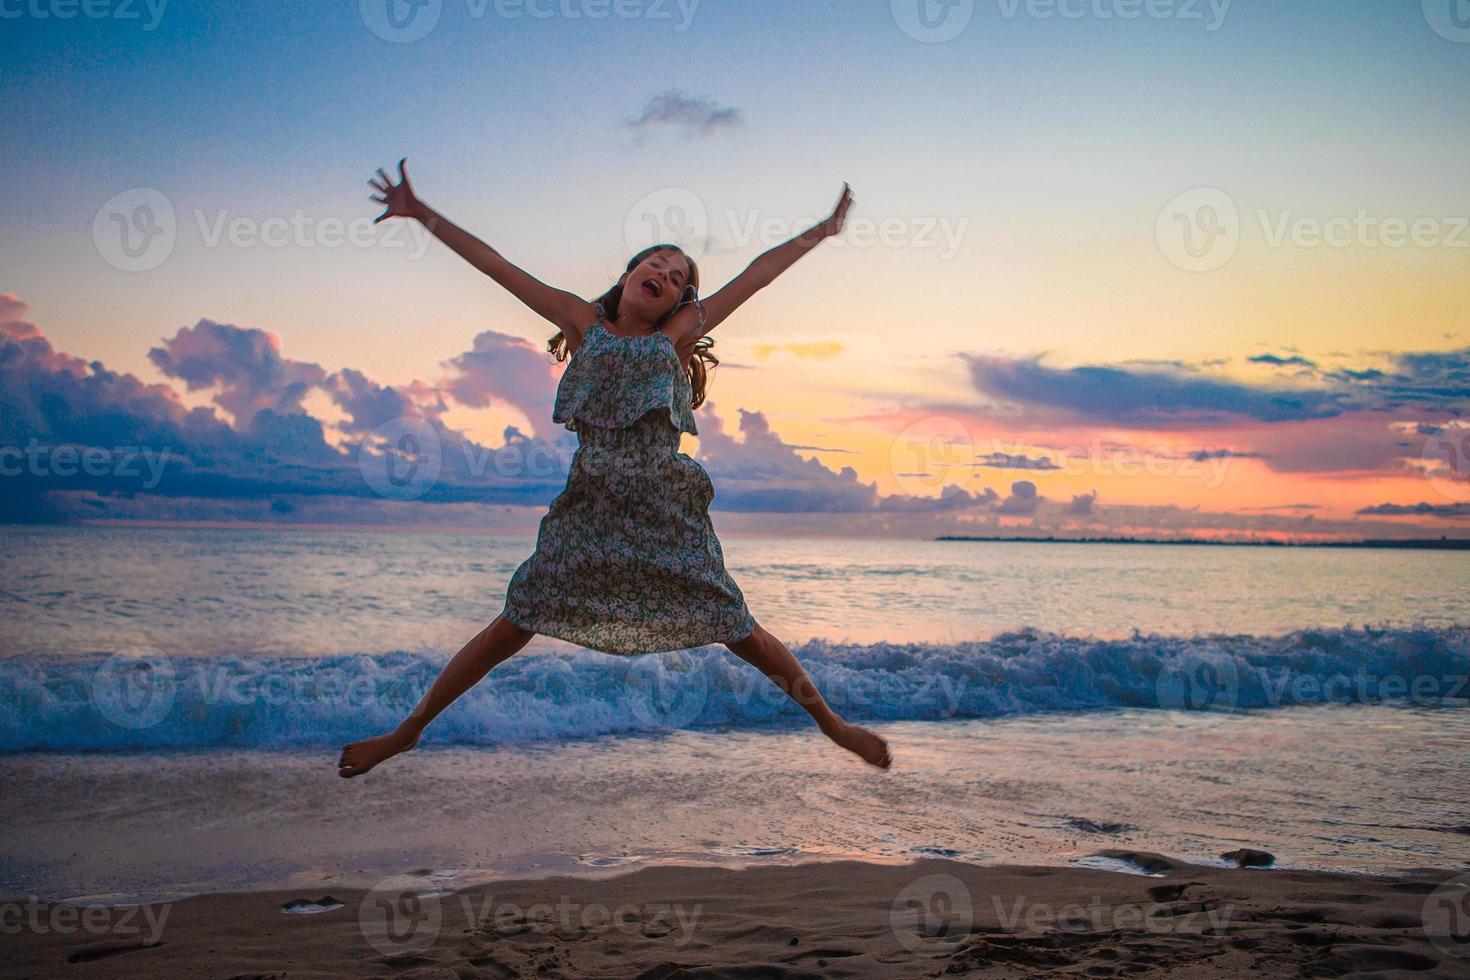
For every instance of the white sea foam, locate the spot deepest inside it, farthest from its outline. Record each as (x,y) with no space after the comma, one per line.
(95,703)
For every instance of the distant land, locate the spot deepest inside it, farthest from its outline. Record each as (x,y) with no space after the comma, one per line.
(1421,544)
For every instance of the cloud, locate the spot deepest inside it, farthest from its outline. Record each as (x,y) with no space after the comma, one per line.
(268,455)
(1434,382)
(1455,510)
(369,405)
(1177,397)
(506,369)
(271,446)
(1009,461)
(1144,399)
(760,472)
(1353,420)
(52,396)
(693,116)
(1205,455)
(246,364)
(1358,443)
(1082,503)
(1023,500)
(1294,360)
(258,453)
(813,350)
(951,498)
(1270,507)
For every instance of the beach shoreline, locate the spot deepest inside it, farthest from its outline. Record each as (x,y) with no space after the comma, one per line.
(1030,790)
(844,918)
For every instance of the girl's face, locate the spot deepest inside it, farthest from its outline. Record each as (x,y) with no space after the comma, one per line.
(655,285)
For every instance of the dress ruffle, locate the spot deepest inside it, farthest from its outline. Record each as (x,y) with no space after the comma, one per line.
(613,381)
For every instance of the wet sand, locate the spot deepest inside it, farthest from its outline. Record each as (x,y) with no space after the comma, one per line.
(834,919)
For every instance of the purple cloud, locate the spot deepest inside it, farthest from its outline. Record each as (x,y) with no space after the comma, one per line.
(246,364)
(1023,501)
(1174,397)
(1145,399)
(501,368)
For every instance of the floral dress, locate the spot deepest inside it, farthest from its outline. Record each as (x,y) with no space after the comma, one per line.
(626,559)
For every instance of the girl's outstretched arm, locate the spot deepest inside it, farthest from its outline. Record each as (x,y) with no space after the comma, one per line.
(568,311)
(759,274)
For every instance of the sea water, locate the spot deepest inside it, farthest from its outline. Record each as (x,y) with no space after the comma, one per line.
(175,699)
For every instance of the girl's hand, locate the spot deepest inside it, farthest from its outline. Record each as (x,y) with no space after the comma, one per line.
(399,199)
(833,225)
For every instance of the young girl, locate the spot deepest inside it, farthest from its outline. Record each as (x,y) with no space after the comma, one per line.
(626,559)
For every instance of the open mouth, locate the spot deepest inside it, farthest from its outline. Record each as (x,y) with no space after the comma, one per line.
(652,288)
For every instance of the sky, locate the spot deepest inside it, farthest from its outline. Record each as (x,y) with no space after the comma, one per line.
(1146,267)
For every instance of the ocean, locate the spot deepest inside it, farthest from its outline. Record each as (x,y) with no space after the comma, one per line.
(176,697)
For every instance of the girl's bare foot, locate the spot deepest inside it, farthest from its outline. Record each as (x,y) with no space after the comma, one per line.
(871,748)
(359,757)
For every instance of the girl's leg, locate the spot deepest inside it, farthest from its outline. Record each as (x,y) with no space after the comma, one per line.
(770,656)
(493,645)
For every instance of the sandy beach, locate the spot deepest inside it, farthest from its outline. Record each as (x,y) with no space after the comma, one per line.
(659,489)
(836,919)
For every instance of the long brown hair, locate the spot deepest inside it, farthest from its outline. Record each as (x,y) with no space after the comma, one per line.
(699,362)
